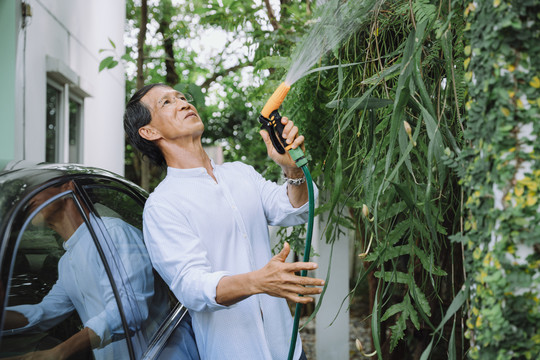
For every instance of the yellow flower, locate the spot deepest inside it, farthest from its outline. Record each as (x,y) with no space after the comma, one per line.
(535,82)
(511,94)
(466,63)
(505,111)
(519,189)
(496,3)
(511,68)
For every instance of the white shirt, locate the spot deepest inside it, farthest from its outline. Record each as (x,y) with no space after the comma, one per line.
(84,286)
(198,231)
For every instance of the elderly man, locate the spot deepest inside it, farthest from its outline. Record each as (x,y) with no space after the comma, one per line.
(206,229)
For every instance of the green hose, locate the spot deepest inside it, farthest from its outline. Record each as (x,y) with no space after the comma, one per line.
(307,251)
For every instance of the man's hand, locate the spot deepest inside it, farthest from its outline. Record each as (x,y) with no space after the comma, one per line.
(278,278)
(50,354)
(290,134)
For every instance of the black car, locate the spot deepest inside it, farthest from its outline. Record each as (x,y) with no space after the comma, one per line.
(75,274)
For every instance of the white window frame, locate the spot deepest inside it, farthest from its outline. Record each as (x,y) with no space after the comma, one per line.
(62,138)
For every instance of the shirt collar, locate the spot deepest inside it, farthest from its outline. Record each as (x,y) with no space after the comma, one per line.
(74,238)
(194,172)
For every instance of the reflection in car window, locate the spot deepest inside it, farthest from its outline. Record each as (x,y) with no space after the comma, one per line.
(121,233)
(116,207)
(60,292)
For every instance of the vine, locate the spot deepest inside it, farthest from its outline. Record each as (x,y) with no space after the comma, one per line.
(500,172)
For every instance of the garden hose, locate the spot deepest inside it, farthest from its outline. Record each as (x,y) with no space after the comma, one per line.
(307,251)
(271,122)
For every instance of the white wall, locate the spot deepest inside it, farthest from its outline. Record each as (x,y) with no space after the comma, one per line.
(73,32)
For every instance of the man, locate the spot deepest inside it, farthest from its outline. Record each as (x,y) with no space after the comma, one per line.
(206,229)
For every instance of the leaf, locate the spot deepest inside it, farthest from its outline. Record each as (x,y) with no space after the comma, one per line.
(272,62)
(394,277)
(367,103)
(112,43)
(127,57)
(107,63)
(392,211)
(385,74)
(426,263)
(375,322)
(404,194)
(398,331)
(456,304)
(397,232)
(419,297)
(390,253)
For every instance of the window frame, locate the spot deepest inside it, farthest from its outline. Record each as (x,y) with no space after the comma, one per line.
(62,139)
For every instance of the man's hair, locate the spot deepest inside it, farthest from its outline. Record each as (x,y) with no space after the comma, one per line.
(136,116)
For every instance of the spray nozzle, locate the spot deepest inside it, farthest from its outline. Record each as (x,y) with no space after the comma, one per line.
(275,100)
(271,122)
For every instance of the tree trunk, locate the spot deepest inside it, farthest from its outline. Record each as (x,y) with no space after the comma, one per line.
(145,165)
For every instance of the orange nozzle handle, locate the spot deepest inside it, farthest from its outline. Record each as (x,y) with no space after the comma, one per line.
(275,100)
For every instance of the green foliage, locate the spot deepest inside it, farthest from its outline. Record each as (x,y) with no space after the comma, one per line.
(354,121)
(500,172)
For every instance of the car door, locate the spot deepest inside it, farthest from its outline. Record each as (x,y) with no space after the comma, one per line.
(159,326)
(59,294)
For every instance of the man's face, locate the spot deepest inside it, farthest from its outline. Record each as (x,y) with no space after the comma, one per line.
(173,117)
(49,212)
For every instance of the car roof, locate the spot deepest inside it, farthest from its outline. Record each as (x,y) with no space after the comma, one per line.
(17,183)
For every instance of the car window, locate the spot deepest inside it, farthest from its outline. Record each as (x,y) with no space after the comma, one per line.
(59,291)
(121,218)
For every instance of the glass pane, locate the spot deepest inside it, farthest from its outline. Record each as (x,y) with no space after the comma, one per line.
(59,290)
(122,217)
(53,124)
(74,130)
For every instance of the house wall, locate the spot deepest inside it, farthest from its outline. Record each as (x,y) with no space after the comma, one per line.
(66,37)
(8,27)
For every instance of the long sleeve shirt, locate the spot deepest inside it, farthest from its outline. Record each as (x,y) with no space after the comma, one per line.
(84,286)
(198,230)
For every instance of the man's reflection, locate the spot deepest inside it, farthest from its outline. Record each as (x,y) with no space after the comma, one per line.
(83,284)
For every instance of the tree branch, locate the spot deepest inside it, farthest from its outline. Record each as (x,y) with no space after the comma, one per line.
(223,72)
(271,15)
